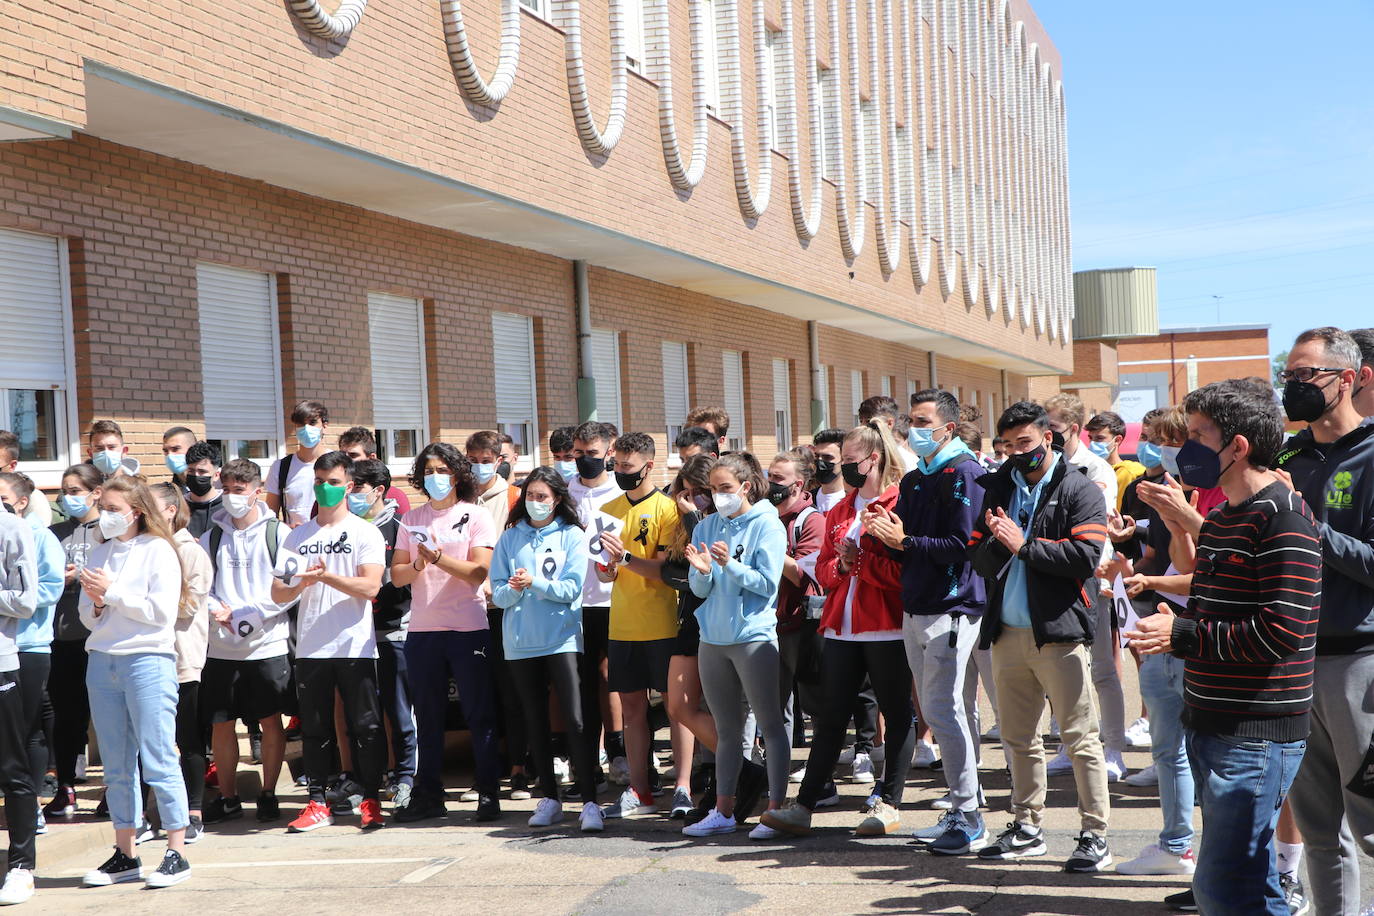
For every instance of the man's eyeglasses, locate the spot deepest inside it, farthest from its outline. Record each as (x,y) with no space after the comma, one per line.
(1305,373)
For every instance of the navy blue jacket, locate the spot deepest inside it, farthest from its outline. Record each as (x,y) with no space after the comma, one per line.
(938,512)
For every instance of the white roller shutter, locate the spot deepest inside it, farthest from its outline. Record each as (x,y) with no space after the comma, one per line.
(397,341)
(887,385)
(675,388)
(823,395)
(35,316)
(856,392)
(782,404)
(239,353)
(606,372)
(732,366)
(512,339)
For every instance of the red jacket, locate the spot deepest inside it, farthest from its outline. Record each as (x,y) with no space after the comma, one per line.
(876,576)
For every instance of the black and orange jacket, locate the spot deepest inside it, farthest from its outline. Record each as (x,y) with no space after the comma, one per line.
(1061,554)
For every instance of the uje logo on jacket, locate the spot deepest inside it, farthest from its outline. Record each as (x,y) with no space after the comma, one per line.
(319,547)
(1339,495)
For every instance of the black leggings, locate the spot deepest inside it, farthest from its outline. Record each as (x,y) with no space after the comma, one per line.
(191,744)
(533,677)
(70,705)
(843,666)
(33,680)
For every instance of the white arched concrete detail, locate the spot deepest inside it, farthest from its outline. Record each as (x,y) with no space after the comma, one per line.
(567,15)
(470,82)
(887,202)
(924,159)
(657,38)
(752,204)
(851,226)
(339,24)
(806,224)
(1065,227)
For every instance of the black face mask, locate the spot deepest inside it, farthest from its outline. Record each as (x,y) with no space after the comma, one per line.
(825,471)
(778,492)
(200,484)
(1057,439)
(590,467)
(1029,462)
(852,475)
(1199,466)
(503,469)
(628,482)
(1304,402)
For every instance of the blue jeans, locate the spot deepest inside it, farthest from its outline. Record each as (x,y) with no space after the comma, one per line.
(134,708)
(1161,685)
(1243,783)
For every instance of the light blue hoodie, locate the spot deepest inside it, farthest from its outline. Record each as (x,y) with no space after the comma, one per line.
(546,618)
(953,449)
(35,633)
(741,596)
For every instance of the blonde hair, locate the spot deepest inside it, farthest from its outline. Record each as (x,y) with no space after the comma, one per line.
(874,436)
(1069,407)
(140,497)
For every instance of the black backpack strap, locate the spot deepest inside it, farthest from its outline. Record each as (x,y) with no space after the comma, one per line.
(283,474)
(216,537)
(273,535)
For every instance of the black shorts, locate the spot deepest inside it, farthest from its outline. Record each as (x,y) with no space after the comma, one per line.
(640,665)
(251,690)
(596,631)
(688,635)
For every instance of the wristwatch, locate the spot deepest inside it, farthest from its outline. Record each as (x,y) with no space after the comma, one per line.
(908,542)
(625,559)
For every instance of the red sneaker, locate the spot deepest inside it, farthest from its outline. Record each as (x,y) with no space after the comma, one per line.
(372,814)
(212,776)
(313,816)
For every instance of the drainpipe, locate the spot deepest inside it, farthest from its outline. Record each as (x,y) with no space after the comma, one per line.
(818,392)
(586,384)
(1006,392)
(934,374)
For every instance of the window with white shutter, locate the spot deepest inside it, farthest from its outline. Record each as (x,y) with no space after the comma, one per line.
(512,339)
(782,404)
(823,395)
(732,364)
(540,8)
(240,361)
(856,392)
(400,397)
(910,390)
(606,372)
(36,401)
(886,383)
(710,57)
(634,34)
(675,390)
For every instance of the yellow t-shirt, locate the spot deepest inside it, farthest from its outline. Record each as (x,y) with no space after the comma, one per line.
(1126,471)
(643,609)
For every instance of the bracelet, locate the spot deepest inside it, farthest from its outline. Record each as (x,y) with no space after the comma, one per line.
(98,607)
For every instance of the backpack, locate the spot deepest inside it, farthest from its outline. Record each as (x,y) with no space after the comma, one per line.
(273,542)
(283,475)
(812,604)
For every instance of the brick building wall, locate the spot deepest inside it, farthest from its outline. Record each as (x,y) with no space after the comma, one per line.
(1216,353)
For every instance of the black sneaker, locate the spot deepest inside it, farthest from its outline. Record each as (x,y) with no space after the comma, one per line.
(1016,842)
(488,808)
(194,830)
(173,870)
(1091,854)
(269,809)
(102,809)
(419,808)
(1182,902)
(519,787)
(222,809)
(117,869)
(1291,885)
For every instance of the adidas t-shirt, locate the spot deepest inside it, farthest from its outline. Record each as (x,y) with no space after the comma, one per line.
(439,601)
(331,624)
(300,488)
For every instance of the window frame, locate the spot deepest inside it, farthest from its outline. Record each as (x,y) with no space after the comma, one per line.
(738,437)
(385,432)
(674,429)
(529,457)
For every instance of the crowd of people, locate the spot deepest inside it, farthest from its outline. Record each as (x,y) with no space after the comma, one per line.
(872,579)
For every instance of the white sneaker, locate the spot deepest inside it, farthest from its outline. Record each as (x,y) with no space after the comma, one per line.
(1145,777)
(619,771)
(601,760)
(943,803)
(1155,861)
(1060,764)
(471,795)
(846,757)
(925,756)
(762,831)
(547,813)
(80,767)
(713,824)
(18,887)
(1138,735)
(628,805)
(1116,767)
(798,774)
(562,770)
(863,770)
(591,820)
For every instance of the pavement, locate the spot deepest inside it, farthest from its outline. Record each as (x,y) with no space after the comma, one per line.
(640,865)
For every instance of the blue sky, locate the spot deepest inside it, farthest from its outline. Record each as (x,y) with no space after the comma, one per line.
(1230,145)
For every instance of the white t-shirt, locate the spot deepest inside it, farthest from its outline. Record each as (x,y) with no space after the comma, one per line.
(846,630)
(300,487)
(827,501)
(589,502)
(329,623)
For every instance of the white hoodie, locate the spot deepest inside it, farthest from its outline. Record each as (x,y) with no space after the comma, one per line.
(141,603)
(243,580)
(589,501)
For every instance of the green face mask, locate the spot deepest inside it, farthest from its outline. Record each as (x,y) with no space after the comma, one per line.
(329,495)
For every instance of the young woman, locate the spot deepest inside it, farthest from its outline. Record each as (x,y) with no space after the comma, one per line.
(132,589)
(79,536)
(192,641)
(537,572)
(862,625)
(443,552)
(736,566)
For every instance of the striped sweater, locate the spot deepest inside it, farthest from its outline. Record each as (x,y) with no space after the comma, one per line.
(1249,634)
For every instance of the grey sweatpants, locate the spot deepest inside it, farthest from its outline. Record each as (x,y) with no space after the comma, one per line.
(729,676)
(1111,699)
(1333,819)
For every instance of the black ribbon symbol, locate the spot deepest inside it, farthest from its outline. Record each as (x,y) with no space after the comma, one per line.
(739,551)
(458,526)
(245,629)
(549,566)
(643,536)
(594,544)
(288,571)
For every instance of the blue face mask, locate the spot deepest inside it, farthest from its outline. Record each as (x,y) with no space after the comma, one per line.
(483,472)
(73,506)
(360,503)
(1199,466)
(567,468)
(538,512)
(922,441)
(1100,449)
(309,436)
(107,460)
(176,462)
(1149,454)
(1168,456)
(438,486)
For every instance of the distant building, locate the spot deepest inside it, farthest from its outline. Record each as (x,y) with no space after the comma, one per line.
(1160,370)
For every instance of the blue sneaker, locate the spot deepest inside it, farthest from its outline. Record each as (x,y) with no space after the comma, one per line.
(965,834)
(930,834)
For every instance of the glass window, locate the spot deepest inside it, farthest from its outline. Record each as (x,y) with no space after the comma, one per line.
(32,416)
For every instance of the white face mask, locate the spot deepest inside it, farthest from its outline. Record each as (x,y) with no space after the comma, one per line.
(113,524)
(728,504)
(239,504)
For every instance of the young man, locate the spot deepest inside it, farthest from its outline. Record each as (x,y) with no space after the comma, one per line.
(696,440)
(643,608)
(18,601)
(509,456)
(885,408)
(1106,431)
(175,442)
(201,467)
(247,673)
(1066,413)
(39,507)
(561,448)
(291,481)
(716,420)
(1331,465)
(1248,639)
(359,444)
(107,451)
(591,490)
(928,531)
(829,482)
(336,647)
(390,618)
(1039,535)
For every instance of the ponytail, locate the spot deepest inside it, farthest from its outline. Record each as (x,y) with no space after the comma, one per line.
(874,436)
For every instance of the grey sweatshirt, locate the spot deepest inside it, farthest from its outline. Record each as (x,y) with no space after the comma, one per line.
(18,584)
